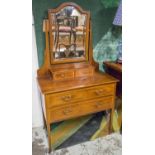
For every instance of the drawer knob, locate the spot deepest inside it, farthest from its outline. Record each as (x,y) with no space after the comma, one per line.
(62,75)
(99,92)
(67,111)
(66,98)
(98,104)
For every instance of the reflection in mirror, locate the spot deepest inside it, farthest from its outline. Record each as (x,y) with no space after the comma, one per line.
(68,33)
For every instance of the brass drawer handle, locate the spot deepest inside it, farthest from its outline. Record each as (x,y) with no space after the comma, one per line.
(62,75)
(67,111)
(99,92)
(98,104)
(66,98)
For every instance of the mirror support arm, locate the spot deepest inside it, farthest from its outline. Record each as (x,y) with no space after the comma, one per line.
(43,71)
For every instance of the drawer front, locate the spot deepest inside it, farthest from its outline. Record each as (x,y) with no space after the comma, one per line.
(84,72)
(63,75)
(100,91)
(64,98)
(76,95)
(97,105)
(80,109)
(64,113)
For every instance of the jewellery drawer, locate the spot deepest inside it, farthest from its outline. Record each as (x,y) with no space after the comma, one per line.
(71,73)
(63,75)
(75,95)
(84,72)
(63,113)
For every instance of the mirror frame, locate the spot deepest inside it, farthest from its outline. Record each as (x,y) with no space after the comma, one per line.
(69,60)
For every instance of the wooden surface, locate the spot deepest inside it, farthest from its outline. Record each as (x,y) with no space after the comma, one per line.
(114,65)
(115,70)
(47,85)
(86,93)
(80,109)
(71,73)
(76,95)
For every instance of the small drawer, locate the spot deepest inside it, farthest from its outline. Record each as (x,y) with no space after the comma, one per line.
(63,113)
(84,72)
(63,75)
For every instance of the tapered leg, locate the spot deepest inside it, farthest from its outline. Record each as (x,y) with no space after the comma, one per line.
(49,137)
(111,121)
(44,121)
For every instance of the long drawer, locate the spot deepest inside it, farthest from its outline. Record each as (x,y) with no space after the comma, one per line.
(57,99)
(80,109)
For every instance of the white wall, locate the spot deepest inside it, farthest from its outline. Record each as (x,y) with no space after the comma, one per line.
(37,117)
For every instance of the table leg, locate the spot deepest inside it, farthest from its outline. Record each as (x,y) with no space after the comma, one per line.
(49,137)
(44,121)
(111,120)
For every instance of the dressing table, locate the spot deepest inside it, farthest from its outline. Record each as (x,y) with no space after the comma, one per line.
(69,81)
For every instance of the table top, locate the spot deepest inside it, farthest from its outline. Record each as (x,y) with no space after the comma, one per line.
(47,85)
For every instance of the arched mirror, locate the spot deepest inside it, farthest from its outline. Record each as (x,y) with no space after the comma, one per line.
(69,33)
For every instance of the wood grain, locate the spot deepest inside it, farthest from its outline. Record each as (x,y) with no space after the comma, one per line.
(64,98)
(80,109)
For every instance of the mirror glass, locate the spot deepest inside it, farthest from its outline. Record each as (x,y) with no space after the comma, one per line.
(68,33)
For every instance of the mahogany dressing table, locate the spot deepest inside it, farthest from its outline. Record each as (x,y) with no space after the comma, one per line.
(69,80)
